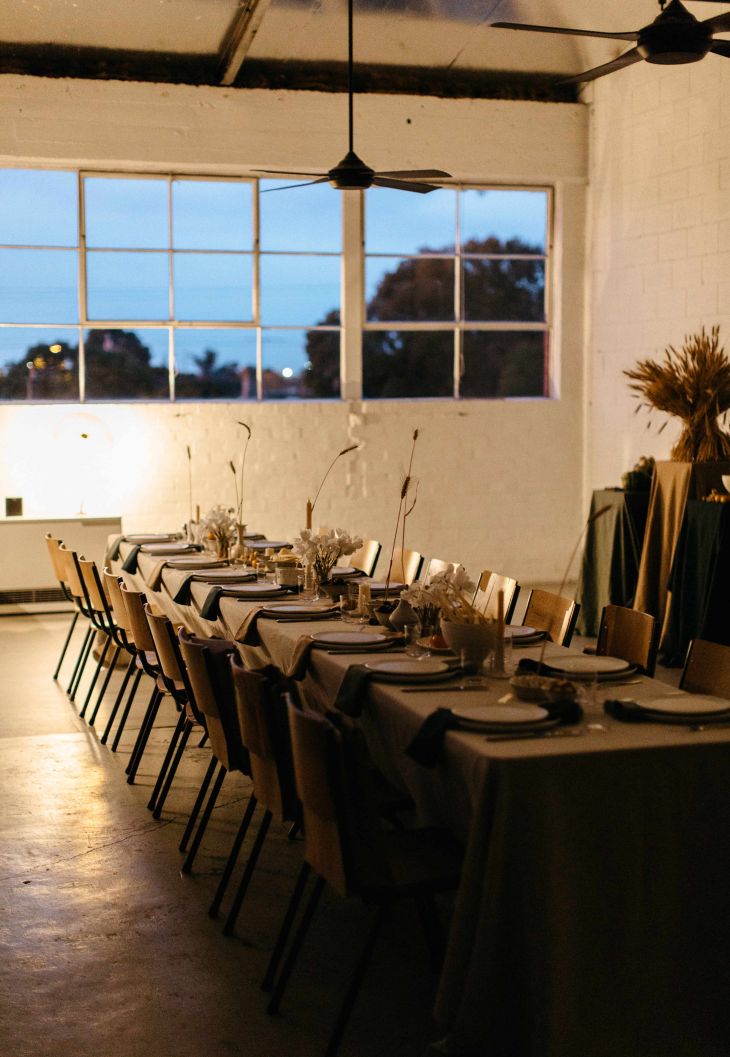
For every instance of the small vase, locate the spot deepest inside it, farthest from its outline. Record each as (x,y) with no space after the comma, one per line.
(221,548)
(238,550)
(403,614)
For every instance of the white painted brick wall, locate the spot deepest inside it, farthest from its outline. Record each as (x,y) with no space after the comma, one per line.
(500,482)
(659,207)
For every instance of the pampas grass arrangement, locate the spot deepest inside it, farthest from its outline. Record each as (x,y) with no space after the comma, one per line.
(692,383)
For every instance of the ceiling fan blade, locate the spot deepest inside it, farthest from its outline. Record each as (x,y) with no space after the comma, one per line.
(401,185)
(417,174)
(627,59)
(286,172)
(718,23)
(721,47)
(571,32)
(287,187)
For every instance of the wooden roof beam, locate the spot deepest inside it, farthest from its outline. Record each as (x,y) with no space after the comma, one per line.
(239,38)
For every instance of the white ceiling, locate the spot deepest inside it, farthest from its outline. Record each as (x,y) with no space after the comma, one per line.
(438,35)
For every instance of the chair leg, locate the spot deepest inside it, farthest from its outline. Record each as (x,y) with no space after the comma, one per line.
(203,740)
(65,645)
(198,804)
(172,770)
(296,897)
(179,727)
(105,684)
(127,707)
(232,857)
(299,935)
(355,983)
(85,653)
(143,735)
(247,875)
(78,660)
(203,824)
(92,684)
(294,830)
(117,701)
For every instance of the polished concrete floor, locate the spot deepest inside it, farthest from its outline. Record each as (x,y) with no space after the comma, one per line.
(107,950)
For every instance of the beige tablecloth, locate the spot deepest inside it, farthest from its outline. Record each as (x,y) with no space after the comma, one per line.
(592,918)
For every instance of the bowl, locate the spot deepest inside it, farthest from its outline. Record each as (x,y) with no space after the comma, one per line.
(726,481)
(531,687)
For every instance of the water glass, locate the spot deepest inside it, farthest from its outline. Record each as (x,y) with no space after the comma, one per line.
(350,605)
(413,643)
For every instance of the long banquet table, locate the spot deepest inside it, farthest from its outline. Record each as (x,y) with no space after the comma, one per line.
(592,918)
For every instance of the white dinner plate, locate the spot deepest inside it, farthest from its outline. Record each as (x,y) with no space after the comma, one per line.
(502,715)
(166,548)
(406,671)
(151,537)
(200,561)
(274,545)
(585,664)
(520,631)
(686,704)
(257,590)
(376,586)
(344,570)
(300,609)
(221,576)
(365,639)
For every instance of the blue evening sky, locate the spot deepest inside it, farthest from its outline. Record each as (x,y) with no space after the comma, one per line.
(205,233)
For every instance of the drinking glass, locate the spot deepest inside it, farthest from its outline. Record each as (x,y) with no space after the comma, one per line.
(350,606)
(413,644)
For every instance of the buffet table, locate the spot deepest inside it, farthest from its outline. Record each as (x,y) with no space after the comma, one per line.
(592,916)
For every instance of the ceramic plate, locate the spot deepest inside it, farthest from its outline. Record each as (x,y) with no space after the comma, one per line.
(167,548)
(585,664)
(434,649)
(686,704)
(300,609)
(274,545)
(365,639)
(256,591)
(163,537)
(502,715)
(220,576)
(377,586)
(345,570)
(193,562)
(407,671)
(520,631)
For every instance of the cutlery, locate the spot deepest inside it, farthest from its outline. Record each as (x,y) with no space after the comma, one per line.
(462,687)
(710,726)
(371,649)
(523,735)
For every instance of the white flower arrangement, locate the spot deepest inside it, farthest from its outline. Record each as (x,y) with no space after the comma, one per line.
(453,591)
(322,549)
(218,524)
(424,600)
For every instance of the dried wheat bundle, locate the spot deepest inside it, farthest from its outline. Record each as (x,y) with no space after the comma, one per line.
(692,383)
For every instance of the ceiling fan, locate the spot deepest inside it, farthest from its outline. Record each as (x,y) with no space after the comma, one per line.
(675,36)
(351,173)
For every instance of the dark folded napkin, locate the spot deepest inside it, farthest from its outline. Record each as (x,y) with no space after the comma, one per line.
(427,746)
(112,551)
(528,666)
(130,562)
(182,595)
(210,609)
(351,695)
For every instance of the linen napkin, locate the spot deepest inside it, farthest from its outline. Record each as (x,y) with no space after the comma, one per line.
(428,745)
(350,697)
(112,551)
(210,609)
(130,562)
(300,658)
(182,595)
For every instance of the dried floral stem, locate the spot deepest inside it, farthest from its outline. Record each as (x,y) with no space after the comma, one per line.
(352,447)
(692,383)
(401,505)
(190,484)
(239,492)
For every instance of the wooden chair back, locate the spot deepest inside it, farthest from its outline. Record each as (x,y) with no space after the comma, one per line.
(94,590)
(113,589)
(71,574)
(406,566)
(706,669)
(134,602)
(630,635)
(57,561)
(265,731)
(366,558)
(208,680)
(160,626)
(553,614)
(438,565)
(486,595)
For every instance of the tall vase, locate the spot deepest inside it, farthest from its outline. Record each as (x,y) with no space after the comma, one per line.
(238,550)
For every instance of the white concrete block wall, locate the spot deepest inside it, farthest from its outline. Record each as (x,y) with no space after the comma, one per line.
(660,238)
(500,481)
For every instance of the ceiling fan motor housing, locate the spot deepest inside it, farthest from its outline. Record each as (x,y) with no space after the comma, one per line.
(674,37)
(351,174)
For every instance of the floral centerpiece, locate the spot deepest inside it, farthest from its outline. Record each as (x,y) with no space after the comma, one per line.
(219,525)
(468,633)
(425,601)
(321,550)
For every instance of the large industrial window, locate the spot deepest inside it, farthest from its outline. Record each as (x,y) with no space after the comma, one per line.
(129,287)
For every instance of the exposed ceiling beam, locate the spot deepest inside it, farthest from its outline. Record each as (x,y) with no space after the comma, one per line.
(239,38)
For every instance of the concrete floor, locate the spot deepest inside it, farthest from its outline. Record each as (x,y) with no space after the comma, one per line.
(108,950)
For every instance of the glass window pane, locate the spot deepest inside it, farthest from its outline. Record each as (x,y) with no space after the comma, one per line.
(300,218)
(38,208)
(418,289)
(126,213)
(506,363)
(517,220)
(212,215)
(300,364)
(127,285)
(213,286)
(408,363)
(504,290)
(300,290)
(398,222)
(215,364)
(39,286)
(127,365)
(38,363)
